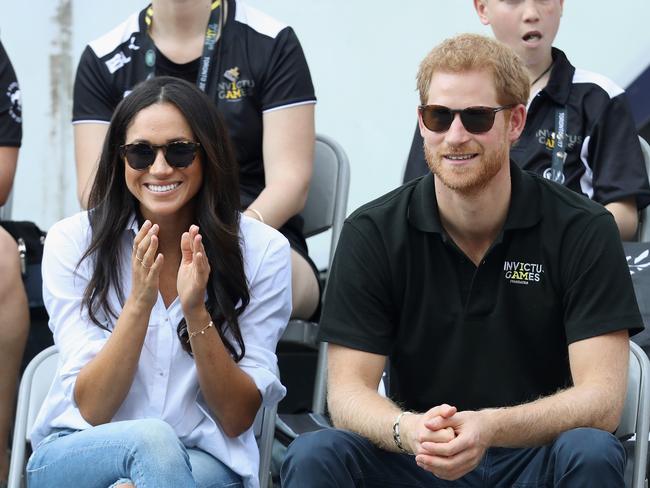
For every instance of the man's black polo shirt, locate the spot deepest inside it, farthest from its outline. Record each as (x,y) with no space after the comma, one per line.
(486,336)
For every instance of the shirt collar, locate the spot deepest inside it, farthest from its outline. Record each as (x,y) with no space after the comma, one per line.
(558,87)
(524,208)
(132,224)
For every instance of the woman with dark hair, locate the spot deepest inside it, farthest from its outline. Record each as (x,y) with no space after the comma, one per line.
(253,68)
(166,305)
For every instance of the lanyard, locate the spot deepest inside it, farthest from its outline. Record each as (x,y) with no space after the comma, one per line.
(559,153)
(212,35)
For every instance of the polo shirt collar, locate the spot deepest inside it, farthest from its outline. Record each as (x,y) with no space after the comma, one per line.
(558,87)
(423,206)
(524,208)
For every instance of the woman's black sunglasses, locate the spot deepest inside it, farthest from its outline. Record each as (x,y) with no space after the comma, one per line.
(141,155)
(477,120)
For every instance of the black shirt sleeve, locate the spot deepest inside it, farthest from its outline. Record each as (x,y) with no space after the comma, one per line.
(615,155)
(416,165)
(10,104)
(287,79)
(598,296)
(358,307)
(93,98)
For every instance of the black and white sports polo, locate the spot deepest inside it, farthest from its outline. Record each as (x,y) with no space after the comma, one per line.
(604,159)
(10,104)
(486,336)
(258,66)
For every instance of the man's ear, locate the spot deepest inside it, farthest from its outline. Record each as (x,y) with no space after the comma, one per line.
(517,122)
(420,125)
(481,9)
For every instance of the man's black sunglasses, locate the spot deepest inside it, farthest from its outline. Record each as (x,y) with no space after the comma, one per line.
(141,155)
(477,120)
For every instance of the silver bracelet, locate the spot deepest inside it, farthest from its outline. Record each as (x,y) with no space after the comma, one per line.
(396,433)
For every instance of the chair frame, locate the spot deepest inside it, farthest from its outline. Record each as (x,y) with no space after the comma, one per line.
(27,410)
(26,413)
(644,216)
(302,331)
(635,420)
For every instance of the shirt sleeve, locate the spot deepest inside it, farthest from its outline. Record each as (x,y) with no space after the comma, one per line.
(265,318)
(358,310)
(77,338)
(598,296)
(614,153)
(93,98)
(10,104)
(286,79)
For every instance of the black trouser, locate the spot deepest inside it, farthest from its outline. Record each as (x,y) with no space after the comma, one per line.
(335,458)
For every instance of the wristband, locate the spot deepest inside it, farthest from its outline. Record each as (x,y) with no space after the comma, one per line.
(396,433)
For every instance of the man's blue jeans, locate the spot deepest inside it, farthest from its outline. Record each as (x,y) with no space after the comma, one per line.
(336,458)
(145,452)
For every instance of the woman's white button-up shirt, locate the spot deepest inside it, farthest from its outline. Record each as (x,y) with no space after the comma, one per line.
(165,385)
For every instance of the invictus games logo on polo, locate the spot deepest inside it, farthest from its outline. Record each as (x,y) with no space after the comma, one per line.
(546,138)
(522,273)
(235,88)
(16,108)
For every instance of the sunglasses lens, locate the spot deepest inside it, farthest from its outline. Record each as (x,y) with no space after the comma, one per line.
(180,154)
(477,120)
(437,118)
(139,156)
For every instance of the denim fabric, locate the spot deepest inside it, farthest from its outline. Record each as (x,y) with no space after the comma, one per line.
(145,452)
(588,458)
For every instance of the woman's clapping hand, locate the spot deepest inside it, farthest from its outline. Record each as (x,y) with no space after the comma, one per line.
(193,272)
(146,264)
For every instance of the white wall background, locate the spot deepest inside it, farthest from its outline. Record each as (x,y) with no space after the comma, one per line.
(363,57)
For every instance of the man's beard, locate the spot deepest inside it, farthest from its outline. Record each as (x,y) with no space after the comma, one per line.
(467,180)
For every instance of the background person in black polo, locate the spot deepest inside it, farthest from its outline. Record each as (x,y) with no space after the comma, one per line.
(484,286)
(603,157)
(254,68)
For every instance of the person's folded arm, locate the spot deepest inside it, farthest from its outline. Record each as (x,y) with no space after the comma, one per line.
(354,403)
(288,151)
(234,391)
(8,161)
(599,369)
(88,141)
(626,215)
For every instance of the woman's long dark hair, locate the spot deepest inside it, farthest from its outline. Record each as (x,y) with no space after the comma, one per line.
(112,207)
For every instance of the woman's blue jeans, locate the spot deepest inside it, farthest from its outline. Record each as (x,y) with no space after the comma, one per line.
(146,453)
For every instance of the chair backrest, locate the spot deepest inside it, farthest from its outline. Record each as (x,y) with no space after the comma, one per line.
(325,209)
(635,420)
(644,224)
(327,199)
(35,384)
